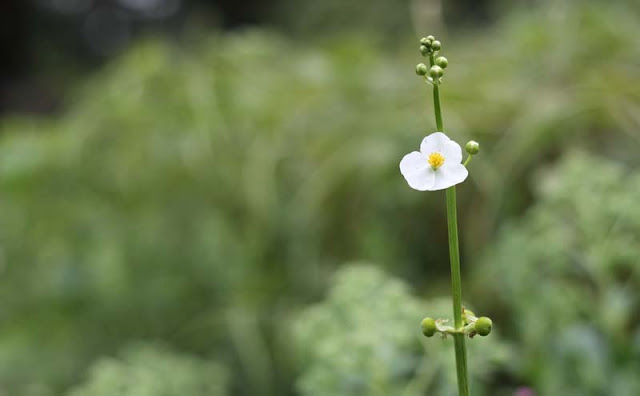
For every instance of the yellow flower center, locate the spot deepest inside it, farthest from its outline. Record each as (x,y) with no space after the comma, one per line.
(435,160)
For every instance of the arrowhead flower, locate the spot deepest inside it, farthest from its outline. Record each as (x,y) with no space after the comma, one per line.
(438,164)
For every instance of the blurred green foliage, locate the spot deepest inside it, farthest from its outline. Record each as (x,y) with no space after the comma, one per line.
(569,279)
(184,197)
(364,339)
(380,20)
(148,370)
(202,195)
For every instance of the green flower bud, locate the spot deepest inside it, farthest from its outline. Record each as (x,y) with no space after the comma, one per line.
(428,327)
(430,38)
(472,147)
(421,69)
(483,326)
(424,50)
(435,72)
(436,46)
(442,62)
(425,41)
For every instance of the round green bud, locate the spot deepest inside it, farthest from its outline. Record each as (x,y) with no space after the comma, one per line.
(435,72)
(436,46)
(425,41)
(424,50)
(442,62)
(428,327)
(430,38)
(421,69)
(483,326)
(472,147)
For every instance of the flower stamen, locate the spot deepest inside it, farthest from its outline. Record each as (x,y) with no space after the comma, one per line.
(435,160)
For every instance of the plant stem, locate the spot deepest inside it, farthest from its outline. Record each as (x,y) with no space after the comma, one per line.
(436,100)
(436,106)
(454,254)
(456,290)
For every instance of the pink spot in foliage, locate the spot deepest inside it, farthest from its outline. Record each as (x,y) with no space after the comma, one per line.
(524,391)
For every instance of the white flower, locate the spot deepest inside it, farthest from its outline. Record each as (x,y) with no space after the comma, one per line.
(437,166)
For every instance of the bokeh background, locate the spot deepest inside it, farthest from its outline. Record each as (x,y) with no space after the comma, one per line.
(203,197)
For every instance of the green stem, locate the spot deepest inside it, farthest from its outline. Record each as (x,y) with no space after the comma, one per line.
(454,254)
(436,100)
(456,289)
(436,107)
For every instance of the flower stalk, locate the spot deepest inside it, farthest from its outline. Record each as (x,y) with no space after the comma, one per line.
(438,146)
(456,290)
(454,257)
(436,99)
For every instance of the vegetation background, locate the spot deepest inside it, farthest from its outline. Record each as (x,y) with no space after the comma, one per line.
(203,198)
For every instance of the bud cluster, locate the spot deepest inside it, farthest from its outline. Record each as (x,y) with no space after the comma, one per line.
(429,46)
(472,325)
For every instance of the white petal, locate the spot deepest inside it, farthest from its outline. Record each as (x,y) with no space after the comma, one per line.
(452,152)
(439,142)
(433,142)
(450,175)
(416,170)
